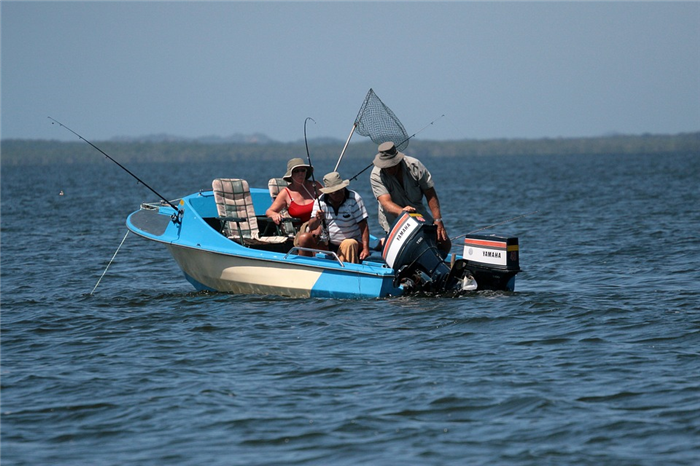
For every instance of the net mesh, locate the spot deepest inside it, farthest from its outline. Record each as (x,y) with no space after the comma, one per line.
(376,121)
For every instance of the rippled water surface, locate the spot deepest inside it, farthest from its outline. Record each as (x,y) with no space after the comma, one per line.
(595,359)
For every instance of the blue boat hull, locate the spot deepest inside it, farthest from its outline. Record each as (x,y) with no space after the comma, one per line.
(210,261)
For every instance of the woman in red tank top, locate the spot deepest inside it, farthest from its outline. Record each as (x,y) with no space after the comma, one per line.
(298,197)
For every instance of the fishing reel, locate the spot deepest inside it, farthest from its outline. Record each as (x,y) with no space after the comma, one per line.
(323,237)
(176,217)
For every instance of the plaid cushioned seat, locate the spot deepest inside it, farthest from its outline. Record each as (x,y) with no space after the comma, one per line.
(235,208)
(275,185)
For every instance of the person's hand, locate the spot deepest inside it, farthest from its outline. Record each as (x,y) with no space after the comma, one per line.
(441,232)
(364,254)
(409,209)
(316,221)
(277,218)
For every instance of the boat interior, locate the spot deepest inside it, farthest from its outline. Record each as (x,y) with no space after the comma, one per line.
(240,216)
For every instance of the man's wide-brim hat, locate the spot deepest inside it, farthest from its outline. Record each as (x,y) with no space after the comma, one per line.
(332,182)
(297,163)
(388,155)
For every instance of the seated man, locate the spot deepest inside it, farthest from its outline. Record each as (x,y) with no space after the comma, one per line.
(341,212)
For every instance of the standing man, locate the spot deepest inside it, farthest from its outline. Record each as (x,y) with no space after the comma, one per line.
(345,217)
(399,183)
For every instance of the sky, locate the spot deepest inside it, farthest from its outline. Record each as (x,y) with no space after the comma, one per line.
(493,69)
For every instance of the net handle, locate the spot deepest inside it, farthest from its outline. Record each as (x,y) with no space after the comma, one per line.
(360,113)
(352,131)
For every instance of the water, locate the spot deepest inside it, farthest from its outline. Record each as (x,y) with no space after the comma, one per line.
(593,360)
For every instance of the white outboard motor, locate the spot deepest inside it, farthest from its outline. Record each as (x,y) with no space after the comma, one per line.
(489,262)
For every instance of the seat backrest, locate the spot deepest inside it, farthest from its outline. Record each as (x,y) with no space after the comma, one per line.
(275,185)
(232,197)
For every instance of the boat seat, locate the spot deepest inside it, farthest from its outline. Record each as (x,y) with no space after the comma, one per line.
(289,224)
(234,205)
(275,185)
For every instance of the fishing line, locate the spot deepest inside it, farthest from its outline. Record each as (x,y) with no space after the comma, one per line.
(420,130)
(119,164)
(110,262)
(397,145)
(496,224)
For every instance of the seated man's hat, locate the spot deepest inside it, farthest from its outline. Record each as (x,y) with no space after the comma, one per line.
(333,182)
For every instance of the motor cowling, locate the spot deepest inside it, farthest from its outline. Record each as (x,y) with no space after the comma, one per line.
(493,260)
(411,250)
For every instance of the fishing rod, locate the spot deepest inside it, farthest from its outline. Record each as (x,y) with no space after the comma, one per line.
(308,154)
(398,145)
(495,224)
(54,121)
(313,179)
(421,130)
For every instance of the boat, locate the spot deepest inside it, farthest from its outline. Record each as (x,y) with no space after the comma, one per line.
(223,242)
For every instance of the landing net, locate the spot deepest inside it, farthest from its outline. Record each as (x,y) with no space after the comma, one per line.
(376,121)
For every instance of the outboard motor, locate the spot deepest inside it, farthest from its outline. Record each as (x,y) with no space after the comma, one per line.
(411,250)
(489,262)
(492,260)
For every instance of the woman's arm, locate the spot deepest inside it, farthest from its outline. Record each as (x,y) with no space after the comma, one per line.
(280,203)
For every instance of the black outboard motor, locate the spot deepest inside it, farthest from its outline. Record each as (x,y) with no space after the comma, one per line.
(489,262)
(411,250)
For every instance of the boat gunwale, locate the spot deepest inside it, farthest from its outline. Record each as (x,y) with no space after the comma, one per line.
(377,269)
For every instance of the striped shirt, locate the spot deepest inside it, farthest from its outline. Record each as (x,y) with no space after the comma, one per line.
(343,223)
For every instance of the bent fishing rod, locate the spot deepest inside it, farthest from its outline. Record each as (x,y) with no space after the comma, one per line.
(313,179)
(512,219)
(54,121)
(397,145)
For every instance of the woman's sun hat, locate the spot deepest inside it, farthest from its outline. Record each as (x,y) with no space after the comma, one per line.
(297,163)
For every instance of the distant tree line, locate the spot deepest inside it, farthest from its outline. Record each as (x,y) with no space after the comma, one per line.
(39,152)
